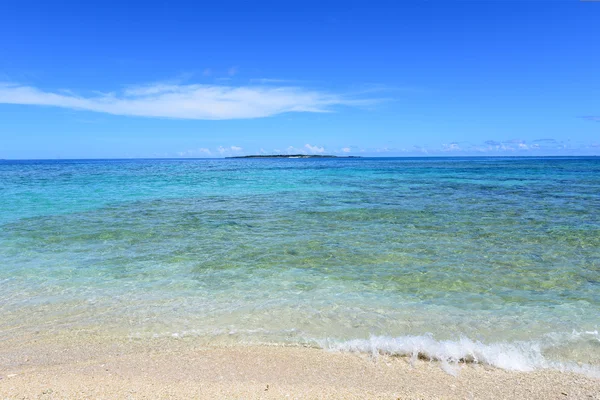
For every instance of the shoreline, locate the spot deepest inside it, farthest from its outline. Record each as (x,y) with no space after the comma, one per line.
(91,366)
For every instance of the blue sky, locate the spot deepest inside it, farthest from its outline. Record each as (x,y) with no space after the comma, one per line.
(199,79)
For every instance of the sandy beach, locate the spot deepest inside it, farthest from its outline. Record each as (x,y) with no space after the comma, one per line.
(300,200)
(90,366)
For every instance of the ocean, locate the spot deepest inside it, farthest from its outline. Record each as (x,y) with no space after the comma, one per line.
(488,260)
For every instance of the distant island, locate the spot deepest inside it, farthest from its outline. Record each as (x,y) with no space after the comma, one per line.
(293,156)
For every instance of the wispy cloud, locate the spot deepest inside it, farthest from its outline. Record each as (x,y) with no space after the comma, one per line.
(225,151)
(454,146)
(314,149)
(232,71)
(201,152)
(545,140)
(493,143)
(221,151)
(211,102)
(263,81)
(595,118)
(307,149)
(512,146)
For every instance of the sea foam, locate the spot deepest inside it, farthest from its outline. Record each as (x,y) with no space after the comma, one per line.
(515,356)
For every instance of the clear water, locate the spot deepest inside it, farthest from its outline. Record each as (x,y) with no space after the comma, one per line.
(495,260)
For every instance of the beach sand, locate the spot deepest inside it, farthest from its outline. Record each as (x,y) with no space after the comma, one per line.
(91,366)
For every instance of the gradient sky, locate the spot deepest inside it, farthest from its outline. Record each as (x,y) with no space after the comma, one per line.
(210,79)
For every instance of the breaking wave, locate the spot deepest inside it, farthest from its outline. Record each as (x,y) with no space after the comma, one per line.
(512,356)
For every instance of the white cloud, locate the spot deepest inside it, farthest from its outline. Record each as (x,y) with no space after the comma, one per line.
(451,147)
(225,151)
(314,149)
(346,149)
(270,80)
(212,102)
(201,152)
(307,149)
(293,150)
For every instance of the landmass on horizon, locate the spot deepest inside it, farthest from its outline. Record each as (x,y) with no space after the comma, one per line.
(293,156)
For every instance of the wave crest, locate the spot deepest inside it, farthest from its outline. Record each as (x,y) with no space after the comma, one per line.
(516,356)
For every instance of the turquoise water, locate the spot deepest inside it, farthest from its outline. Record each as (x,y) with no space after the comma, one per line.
(495,260)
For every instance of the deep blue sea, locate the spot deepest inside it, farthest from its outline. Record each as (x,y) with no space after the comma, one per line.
(493,260)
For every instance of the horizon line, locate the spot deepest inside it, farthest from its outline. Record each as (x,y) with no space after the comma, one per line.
(313,158)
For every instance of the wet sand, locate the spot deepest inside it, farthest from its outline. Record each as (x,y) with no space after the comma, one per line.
(88,366)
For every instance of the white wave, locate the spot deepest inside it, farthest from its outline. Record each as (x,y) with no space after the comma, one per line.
(516,356)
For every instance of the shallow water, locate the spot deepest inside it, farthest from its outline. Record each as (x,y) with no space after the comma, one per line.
(441,256)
